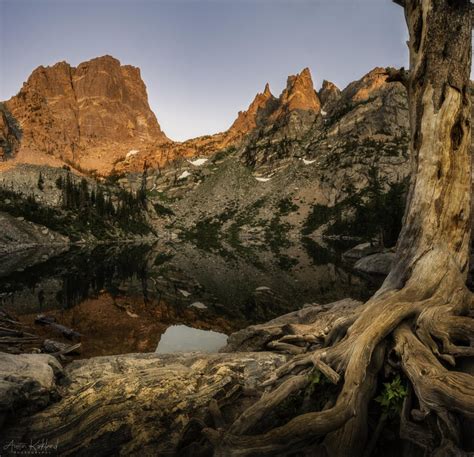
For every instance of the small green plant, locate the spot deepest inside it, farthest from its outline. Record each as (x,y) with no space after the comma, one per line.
(320,390)
(392,396)
(316,378)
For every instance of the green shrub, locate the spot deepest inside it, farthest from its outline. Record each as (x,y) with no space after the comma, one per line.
(392,396)
(286,206)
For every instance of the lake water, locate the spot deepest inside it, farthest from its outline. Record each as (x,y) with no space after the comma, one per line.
(172,297)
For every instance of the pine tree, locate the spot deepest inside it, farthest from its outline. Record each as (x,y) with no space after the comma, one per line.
(40,181)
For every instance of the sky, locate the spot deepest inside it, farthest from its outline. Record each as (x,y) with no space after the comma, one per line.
(204,60)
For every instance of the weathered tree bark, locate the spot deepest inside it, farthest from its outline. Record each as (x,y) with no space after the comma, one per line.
(436,227)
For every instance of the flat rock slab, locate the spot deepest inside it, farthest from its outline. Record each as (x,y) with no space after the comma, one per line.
(138,403)
(380,263)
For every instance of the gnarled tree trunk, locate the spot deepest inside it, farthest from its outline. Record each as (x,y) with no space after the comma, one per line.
(436,229)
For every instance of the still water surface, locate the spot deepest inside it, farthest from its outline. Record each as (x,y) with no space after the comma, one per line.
(172,297)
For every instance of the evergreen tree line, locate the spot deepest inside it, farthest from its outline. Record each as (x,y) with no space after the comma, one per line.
(79,196)
(374,212)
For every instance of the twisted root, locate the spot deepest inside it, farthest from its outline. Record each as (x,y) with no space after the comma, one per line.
(357,359)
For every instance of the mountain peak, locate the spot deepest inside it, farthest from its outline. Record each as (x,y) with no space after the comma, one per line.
(300,94)
(91,114)
(305,73)
(105,59)
(329,93)
(363,88)
(267,91)
(249,119)
(329,85)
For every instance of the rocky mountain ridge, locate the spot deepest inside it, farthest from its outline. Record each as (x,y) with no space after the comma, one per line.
(96,118)
(268,179)
(298,99)
(294,173)
(89,115)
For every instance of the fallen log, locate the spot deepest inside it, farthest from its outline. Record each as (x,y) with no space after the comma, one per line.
(130,404)
(67,332)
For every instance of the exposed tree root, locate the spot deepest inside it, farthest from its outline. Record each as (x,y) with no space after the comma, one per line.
(358,358)
(437,388)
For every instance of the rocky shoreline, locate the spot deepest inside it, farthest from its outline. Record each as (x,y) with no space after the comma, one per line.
(154,404)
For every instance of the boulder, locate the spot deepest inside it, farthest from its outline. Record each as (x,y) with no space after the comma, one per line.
(379,263)
(27,383)
(361,250)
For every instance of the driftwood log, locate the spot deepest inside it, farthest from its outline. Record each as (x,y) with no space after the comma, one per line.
(130,404)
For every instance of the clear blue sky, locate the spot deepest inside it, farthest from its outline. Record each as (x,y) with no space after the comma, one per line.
(203,60)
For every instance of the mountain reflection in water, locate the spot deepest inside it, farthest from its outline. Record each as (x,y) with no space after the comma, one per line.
(135,298)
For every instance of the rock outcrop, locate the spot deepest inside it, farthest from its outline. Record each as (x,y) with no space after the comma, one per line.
(298,95)
(329,94)
(9,134)
(90,116)
(256,114)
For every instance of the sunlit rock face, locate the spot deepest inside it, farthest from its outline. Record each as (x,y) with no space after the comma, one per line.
(258,111)
(90,115)
(299,94)
(362,89)
(307,123)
